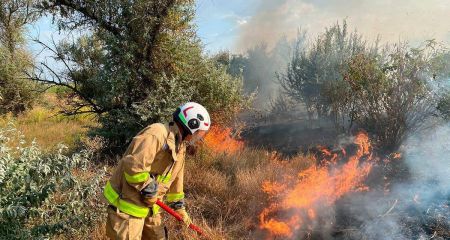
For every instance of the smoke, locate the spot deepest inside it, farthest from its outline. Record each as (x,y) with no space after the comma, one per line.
(419,207)
(428,159)
(261,68)
(412,20)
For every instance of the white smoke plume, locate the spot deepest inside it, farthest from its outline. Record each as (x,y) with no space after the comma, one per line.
(411,20)
(413,209)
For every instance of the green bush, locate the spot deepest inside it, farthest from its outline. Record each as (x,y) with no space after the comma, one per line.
(314,67)
(385,90)
(137,67)
(16,92)
(40,194)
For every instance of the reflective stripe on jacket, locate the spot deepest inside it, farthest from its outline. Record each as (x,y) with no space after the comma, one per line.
(152,152)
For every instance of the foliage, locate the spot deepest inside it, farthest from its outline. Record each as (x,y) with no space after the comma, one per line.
(313,67)
(383,90)
(382,97)
(16,93)
(135,65)
(389,94)
(41,195)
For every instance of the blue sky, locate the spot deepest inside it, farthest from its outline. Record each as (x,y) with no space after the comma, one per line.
(217,24)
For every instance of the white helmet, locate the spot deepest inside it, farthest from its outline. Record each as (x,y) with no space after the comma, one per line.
(193,117)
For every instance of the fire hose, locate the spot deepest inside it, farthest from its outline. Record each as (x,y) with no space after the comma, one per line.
(178,217)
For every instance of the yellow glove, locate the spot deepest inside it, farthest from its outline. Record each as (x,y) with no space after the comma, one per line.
(186,219)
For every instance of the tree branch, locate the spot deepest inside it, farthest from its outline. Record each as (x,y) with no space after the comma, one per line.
(156,30)
(60,82)
(88,13)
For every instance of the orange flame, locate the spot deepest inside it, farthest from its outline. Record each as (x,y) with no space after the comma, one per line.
(220,140)
(396,155)
(314,187)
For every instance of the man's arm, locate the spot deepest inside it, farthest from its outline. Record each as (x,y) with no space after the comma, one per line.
(175,192)
(137,163)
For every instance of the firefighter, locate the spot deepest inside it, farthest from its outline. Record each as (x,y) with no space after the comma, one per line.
(152,168)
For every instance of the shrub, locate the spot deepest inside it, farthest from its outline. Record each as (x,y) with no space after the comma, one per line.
(137,67)
(383,90)
(43,195)
(387,94)
(315,66)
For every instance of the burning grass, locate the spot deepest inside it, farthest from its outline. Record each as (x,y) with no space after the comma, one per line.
(224,191)
(255,194)
(237,192)
(220,140)
(223,186)
(297,198)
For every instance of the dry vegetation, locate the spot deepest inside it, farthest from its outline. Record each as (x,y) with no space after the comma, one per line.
(224,191)
(46,126)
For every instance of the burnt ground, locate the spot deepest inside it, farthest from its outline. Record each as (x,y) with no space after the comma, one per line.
(288,138)
(384,212)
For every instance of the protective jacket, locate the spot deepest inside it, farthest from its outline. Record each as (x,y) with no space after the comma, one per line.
(156,153)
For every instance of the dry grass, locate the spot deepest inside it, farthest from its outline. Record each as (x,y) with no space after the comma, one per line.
(224,192)
(47,127)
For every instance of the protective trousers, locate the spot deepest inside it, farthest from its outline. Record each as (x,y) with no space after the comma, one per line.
(121,226)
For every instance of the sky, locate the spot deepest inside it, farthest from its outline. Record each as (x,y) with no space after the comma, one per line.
(219,22)
(236,25)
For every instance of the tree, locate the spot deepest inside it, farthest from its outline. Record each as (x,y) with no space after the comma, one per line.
(16,93)
(136,64)
(387,94)
(314,67)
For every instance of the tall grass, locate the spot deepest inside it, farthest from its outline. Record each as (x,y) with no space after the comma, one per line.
(47,126)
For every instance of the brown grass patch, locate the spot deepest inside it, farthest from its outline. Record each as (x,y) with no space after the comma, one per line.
(45,125)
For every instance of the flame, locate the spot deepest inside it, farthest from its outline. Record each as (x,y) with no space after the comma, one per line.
(220,140)
(314,188)
(396,155)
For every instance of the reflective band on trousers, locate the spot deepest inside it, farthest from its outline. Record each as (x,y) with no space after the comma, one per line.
(155,209)
(137,178)
(129,208)
(173,197)
(164,178)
